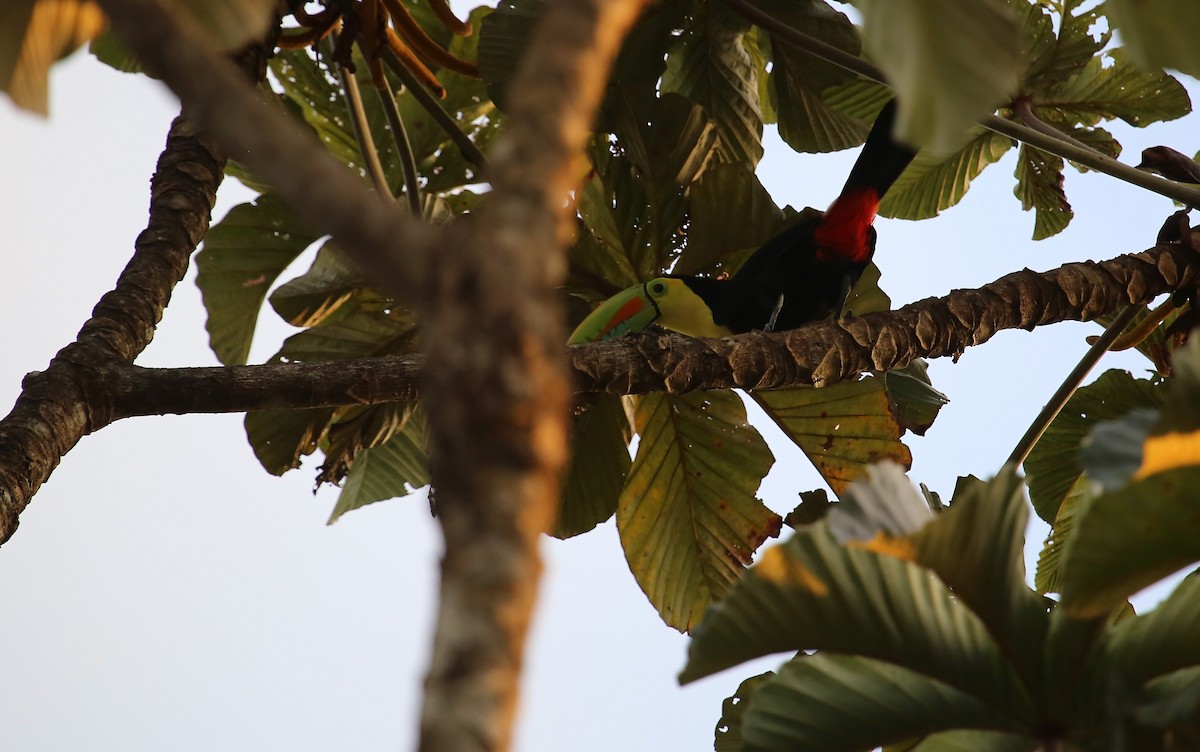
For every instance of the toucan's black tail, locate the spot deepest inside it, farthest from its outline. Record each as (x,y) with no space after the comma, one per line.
(882,158)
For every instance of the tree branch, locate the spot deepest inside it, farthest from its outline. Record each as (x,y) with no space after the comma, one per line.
(657,362)
(394,245)
(56,406)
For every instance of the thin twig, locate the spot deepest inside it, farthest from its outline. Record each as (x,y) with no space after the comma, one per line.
(1054,144)
(444,120)
(1070,384)
(1023,106)
(362,130)
(412,185)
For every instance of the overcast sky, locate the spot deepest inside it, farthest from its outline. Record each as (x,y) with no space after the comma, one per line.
(164,592)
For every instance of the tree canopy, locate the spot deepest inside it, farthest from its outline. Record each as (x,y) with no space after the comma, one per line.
(474,185)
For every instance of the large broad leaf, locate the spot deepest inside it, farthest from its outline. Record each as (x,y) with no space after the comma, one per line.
(1053,464)
(666,143)
(598,466)
(731,216)
(504,37)
(243,254)
(34,36)
(806,122)
(364,334)
(951,61)
(971,741)
(844,702)
(312,297)
(1131,538)
(1163,640)
(386,471)
(1114,88)
(977,548)
(842,428)
(932,183)
(709,65)
(280,438)
(813,593)
(1040,187)
(1053,553)
(688,517)
(1160,33)
(733,712)
(1051,60)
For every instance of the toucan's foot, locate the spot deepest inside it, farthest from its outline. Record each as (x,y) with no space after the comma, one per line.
(770,327)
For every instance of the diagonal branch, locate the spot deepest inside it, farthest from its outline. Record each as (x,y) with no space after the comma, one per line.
(56,406)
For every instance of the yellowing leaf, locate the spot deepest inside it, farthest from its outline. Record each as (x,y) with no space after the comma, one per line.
(1169,451)
(52,30)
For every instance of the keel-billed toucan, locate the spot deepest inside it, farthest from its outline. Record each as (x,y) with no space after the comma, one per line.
(802,274)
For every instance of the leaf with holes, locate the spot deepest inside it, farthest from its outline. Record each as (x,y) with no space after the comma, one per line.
(841,428)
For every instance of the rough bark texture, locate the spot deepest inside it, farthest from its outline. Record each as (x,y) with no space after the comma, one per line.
(830,351)
(496,387)
(56,408)
(659,362)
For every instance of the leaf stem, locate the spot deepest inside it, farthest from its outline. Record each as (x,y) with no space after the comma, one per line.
(1071,383)
(1054,144)
(412,186)
(362,130)
(444,120)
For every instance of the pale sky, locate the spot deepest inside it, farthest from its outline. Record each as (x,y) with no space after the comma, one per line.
(164,592)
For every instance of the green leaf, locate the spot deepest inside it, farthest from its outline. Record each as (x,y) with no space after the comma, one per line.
(731,216)
(806,122)
(812,593)
(914,401)
(1112,453)
(504,36)
(598,466)
(841,428)
(1068,53)
(363,334)
(1131,538)
(1114,88)
(931,184)
(315,295)
(1053,464)
(733,711)
(111,51)
(1040,187)
(951,61)
(280,438)
(386,471)
(845,702)
(1173,700)
(243,254)
(709,65)
(977,548)
(230,23)
(1162,641)
(688,517)
(966,740)
(599,254)
(1053,553)
(1160,33)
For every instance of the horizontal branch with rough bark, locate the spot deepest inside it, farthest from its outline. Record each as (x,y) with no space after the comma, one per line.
(820,353)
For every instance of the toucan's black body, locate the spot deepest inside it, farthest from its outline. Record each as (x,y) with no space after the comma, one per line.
(802,274)
(812,265)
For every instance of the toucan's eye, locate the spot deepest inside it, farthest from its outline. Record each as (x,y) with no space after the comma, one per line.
(658,288)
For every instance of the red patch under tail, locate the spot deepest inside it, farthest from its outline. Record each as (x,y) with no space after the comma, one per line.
(842,233)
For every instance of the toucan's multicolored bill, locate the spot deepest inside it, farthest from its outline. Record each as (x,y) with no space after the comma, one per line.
(630,310)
